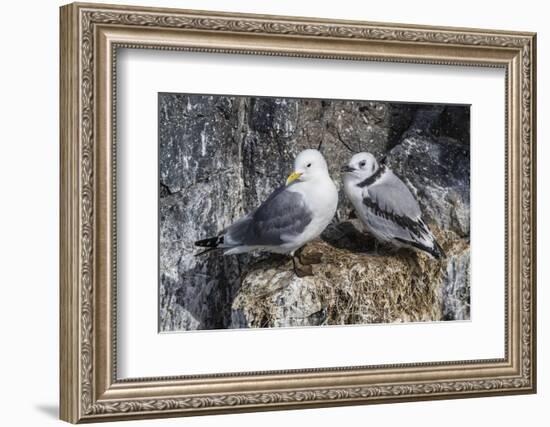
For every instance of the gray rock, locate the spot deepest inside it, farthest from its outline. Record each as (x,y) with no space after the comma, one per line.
(456,286)
(200,179)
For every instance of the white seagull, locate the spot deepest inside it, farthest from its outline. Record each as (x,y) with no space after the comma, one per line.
(292,215)
(386,206)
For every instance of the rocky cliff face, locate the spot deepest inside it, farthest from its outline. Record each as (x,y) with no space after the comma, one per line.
(221,156)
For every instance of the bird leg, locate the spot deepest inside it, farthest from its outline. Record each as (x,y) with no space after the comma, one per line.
(301,270)
(376,246)
(309,259)
(383,248)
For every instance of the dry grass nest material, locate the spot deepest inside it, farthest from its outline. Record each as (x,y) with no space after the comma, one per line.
(351,287)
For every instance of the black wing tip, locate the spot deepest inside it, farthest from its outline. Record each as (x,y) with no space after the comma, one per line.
(205,243)
(205,251)
(438,252)
(211,242)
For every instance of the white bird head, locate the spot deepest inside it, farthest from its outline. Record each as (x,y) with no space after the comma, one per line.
(308,164)
(360,167)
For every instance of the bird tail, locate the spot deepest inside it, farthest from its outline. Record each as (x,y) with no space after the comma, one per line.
(437,251)
(211,243)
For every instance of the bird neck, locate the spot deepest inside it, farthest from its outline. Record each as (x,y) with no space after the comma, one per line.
(373,178)
(321,183)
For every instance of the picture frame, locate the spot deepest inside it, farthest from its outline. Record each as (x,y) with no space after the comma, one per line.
(91,35)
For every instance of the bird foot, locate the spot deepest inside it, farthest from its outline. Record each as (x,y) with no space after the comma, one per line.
(311,259)
(374,248)
(303,270)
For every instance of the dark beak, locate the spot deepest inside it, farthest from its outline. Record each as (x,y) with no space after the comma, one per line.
(347,168)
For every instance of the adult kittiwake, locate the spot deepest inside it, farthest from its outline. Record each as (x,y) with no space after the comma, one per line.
(290,217)
(386,206)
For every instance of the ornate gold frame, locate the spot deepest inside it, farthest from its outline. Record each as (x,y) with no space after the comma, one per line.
(90,35)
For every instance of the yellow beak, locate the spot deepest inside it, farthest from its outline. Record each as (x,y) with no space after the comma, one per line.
(293,177)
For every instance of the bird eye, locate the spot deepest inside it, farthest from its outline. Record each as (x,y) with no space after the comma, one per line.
(308,165)
(363,163)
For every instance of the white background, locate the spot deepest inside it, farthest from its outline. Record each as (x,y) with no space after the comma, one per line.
(29,215)
(141,347)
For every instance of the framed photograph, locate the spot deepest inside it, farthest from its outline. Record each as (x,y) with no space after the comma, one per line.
(266,212)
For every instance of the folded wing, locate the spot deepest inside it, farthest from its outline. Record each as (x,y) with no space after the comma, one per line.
(281,217)
(394,214)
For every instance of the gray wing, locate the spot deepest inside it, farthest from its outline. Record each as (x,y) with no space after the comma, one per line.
(284,214)
(394,213)
(392,195)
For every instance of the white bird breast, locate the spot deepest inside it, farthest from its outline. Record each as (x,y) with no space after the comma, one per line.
(354,193)
(321,198)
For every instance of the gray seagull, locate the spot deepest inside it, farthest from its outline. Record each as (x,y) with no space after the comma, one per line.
(290,217)
(386,206)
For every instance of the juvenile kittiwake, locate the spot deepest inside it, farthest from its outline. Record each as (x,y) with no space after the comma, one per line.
(386,206)
(292,215)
